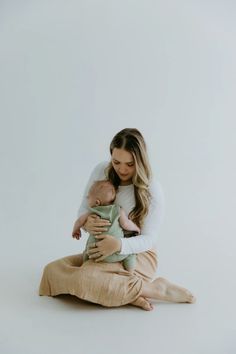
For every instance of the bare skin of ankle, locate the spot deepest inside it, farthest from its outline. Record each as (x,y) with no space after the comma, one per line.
(161,289)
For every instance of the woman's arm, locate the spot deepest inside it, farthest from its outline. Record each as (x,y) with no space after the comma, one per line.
(97,174)
(149,232)
(94,225)
(107,244)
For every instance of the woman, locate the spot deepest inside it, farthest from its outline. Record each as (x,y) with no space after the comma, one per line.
(109,284)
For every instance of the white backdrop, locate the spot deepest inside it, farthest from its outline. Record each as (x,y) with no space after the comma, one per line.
(74,73)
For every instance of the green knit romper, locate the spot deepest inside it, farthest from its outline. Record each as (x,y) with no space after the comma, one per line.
(111,213)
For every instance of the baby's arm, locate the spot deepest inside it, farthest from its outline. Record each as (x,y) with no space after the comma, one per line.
(78,224)
(126,223)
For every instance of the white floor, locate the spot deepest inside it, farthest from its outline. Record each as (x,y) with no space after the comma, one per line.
(203,262)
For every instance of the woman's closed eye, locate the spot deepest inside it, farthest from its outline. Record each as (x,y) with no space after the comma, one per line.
(128,164)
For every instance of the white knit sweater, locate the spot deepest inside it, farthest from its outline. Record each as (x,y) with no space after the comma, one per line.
(125,198)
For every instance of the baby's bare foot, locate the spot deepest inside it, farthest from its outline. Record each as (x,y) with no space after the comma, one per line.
(170,292)
(143,303)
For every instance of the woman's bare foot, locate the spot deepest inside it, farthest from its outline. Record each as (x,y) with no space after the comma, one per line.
(143,303)
(170,292)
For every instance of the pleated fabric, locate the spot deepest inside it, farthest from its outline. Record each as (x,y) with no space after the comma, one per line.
(107,284)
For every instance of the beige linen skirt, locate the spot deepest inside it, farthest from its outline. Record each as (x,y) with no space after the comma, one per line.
(107,284)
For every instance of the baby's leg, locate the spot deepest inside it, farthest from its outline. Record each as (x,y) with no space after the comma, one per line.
(85,257)
(90,240)
(129,263)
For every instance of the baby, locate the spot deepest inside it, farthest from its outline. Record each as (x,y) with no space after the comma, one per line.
(100,201)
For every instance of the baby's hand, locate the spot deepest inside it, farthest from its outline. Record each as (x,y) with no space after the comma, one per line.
(76,234)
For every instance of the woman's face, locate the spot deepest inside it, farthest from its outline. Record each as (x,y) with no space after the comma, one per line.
(124,165)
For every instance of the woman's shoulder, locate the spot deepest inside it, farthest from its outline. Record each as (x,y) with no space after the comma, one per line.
(99,169)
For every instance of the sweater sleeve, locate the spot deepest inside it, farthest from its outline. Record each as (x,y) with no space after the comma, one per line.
(149,232)
(97,174)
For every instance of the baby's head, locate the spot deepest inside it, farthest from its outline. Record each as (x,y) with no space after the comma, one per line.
(101,193)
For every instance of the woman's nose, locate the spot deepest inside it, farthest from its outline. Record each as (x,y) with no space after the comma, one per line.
(122,171)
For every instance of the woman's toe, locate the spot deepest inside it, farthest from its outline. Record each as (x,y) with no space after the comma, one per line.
(143,303)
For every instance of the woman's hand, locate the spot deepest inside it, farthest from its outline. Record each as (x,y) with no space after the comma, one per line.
(104,248)
(95,225)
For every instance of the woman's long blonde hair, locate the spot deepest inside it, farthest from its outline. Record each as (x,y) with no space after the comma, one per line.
(131,140)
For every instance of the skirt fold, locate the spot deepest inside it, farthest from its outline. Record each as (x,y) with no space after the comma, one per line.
(107,284)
